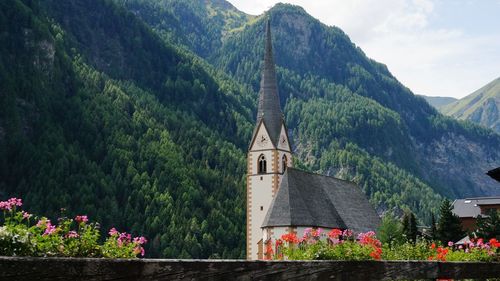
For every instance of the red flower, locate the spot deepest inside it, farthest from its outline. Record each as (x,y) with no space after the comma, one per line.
(268,255)
(441,253)
(290,238)
(494,243)
(376,254)
(335,233)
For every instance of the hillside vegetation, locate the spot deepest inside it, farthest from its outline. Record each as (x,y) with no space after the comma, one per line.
(481,107)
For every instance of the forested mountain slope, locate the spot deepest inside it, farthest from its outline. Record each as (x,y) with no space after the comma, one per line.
(198,24)
(481,107)
(320,68)
(101,117)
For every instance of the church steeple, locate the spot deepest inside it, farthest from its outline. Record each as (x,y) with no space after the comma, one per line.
(269,154)
(269,103)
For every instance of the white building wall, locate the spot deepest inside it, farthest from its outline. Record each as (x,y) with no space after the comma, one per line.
(261,188)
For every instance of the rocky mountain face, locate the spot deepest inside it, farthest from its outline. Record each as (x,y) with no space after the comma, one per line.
(481,107)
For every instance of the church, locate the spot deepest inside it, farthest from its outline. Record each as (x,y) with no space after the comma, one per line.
(282,199)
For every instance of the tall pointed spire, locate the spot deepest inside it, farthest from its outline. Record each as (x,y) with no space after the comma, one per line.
(269,102)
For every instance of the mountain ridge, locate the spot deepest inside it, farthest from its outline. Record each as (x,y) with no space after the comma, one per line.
(438,102)
(481,107)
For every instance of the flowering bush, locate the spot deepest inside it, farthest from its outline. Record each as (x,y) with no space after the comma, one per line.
(23,234)
(343,245)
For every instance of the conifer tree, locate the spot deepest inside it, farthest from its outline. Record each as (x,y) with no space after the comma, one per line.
(390,230)
(433,232)
(489,226)
(449,227)
(410,226)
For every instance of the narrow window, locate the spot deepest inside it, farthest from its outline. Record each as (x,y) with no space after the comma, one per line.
(262,208)
(284,162)
(262,164)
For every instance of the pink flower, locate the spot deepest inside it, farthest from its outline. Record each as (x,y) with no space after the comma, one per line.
(9,204)
(72,234)
(4,205)
(335,241)
(480,242)
(43,222)
(140,240)
(16,201)
(113,232)
(138,250)
(347,233)
(450,244)
(81,219)
(26,215)
(125,237)
(49,230)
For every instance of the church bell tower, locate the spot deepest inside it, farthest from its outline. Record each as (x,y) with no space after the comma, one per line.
(268,156)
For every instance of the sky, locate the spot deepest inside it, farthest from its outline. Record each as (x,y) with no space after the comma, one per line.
(434,47)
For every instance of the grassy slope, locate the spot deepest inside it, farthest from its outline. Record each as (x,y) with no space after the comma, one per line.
(482,106)
(438,102)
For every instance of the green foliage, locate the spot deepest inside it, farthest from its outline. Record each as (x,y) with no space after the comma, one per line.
(19,236)
(409,225)
(200,27)
(433,230)
(390,231)
(419,250)
(488,226)
(422,250)
(321,250)
(449,227)
(338,246)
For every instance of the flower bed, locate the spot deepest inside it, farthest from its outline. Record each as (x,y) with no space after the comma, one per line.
(23,234)
(343,245)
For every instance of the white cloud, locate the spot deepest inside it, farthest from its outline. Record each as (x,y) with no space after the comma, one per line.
(428,59)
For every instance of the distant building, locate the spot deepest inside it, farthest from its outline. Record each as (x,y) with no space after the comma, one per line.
(281,199)
(469,208)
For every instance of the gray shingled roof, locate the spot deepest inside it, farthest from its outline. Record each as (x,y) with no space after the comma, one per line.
(469,207)
(269,103)
(307,199)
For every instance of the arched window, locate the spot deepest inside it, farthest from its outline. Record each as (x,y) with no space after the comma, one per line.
(284,162)
(262,164)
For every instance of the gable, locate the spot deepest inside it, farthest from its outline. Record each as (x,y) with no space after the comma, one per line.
(261,139)
(284,141)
